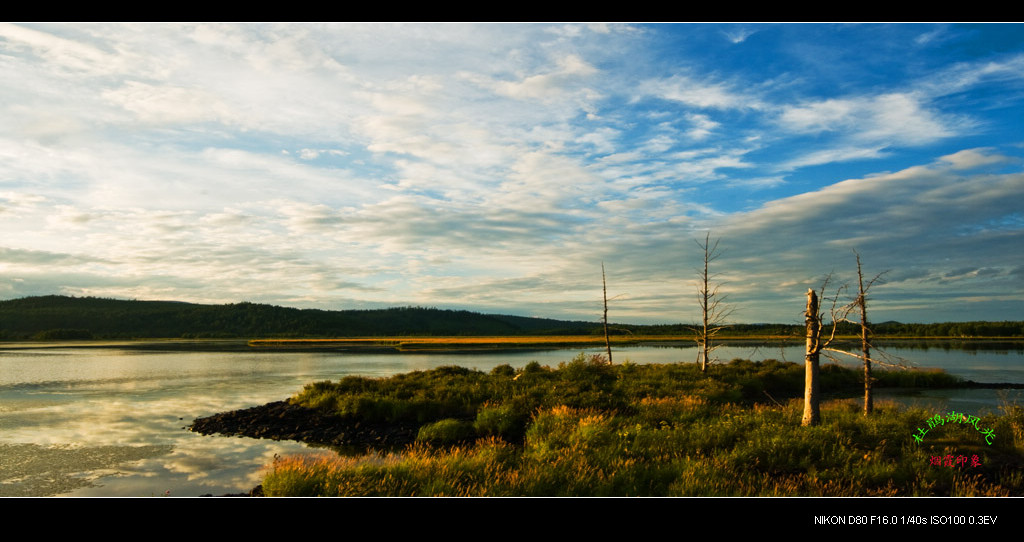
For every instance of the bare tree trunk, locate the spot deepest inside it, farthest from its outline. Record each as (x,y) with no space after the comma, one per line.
(607,341)
(865,345)
(705,347)
(812,414)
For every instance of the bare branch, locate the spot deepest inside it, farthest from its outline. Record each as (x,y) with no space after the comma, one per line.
(711,302)
(884,360)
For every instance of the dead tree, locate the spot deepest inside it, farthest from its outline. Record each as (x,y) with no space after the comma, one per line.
(607,340)
(865,342)
(816,343)
(841,314)
(812,319)
(711,301)
(860,304)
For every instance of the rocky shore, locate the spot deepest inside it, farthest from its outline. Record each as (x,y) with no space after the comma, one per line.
(283,421)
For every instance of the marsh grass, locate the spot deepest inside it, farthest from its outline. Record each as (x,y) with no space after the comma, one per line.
(590,429)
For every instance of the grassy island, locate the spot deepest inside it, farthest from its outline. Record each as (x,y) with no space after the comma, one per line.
(586,428)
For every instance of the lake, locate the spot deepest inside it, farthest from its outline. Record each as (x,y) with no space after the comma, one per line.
(110,421)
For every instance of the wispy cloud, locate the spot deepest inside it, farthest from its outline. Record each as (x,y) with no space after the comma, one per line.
(889,118)
(699,93)
(738,34)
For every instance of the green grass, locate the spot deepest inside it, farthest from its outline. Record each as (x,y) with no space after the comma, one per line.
(589,429)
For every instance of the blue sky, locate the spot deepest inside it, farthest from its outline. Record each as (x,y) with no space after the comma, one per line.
(494,167)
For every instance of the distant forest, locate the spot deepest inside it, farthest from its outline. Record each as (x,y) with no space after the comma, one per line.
(66,318)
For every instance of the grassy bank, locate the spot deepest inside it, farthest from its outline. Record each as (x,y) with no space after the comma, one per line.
(590,429)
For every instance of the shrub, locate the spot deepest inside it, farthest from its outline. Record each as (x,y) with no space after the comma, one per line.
(503,370)
(446,431)
(534,367)
(506,420)
(915,378)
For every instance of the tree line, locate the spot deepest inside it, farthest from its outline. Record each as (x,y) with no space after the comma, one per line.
(64,317)
(61,317)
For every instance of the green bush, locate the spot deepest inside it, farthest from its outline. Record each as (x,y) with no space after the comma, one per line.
(507,420)
(446,431)
(503,370)
(915,378)
(534,367)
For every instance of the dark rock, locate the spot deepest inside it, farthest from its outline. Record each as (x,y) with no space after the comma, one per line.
(281,420)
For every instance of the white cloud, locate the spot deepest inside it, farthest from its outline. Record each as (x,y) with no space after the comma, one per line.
(758,182)
(826,115)
(702,126)
(604,139)
(963,76)
(696,93)
(700,165)
(832,156)
(931,36)
(554,85)
(739,34)
(974,158)
(61,53)
(169,104)
(18,202)
(896,118)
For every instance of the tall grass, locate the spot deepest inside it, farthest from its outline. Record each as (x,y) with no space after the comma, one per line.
(590,429)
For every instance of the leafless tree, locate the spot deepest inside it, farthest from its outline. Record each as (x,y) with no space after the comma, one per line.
(816,343)
(865,332)
(812,319)
(607,340)
(860,305)
(714,312)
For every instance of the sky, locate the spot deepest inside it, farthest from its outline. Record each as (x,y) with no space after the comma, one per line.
(495,167)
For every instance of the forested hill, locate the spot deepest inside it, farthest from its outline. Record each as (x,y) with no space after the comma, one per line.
(60,317)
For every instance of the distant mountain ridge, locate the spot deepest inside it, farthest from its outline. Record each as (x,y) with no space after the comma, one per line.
(55,317)
(62,317)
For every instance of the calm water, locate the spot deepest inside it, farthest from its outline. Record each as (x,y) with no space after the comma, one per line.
(110,421)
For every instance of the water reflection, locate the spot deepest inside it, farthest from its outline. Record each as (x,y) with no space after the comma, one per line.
(52,470)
